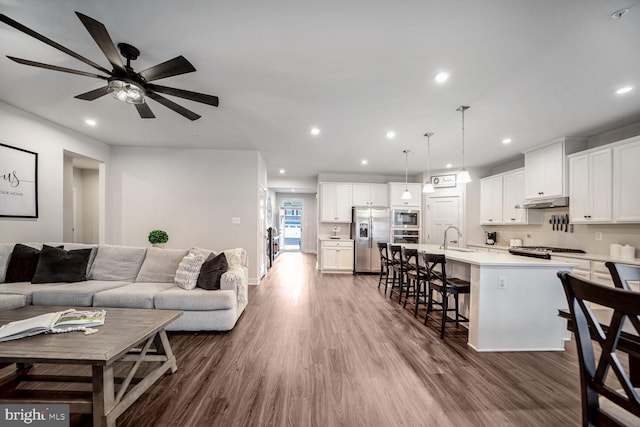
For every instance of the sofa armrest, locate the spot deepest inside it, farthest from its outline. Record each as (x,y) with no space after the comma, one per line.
(236,279)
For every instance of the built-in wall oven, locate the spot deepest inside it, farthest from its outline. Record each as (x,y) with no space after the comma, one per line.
(405,218)
(405,236)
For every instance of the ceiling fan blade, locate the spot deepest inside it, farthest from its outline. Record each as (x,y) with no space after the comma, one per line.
(172,105)
(144,111)
(103,39)
(173,67)
(93,94)
(186,94)
(55,67)
(18,26)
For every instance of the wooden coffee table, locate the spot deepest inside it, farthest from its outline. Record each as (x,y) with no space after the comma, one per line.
(129,337)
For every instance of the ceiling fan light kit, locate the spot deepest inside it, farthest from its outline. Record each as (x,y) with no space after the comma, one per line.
(123,83)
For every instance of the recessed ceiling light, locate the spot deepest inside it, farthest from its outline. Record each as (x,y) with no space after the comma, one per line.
(391,134)
(506,140)
(315,131)
(449,165)
(624,90)
(91,122)
(281,170)
(441,77)
(363,162)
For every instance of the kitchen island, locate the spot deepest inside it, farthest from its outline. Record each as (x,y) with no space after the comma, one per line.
(514,300)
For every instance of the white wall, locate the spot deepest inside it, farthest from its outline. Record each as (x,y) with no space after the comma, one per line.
(192,194)
(24,130)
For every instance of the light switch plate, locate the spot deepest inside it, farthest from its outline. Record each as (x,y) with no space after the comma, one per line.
(235,220)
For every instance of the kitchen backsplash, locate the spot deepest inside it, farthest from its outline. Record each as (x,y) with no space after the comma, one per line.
(583,236)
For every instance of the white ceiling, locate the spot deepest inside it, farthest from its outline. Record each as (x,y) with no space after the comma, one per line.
(530,70)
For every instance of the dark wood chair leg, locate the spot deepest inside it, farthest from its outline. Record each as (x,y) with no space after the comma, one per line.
(445,299)
(429,304)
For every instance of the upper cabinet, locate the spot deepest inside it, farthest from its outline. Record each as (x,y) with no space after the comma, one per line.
(371,195)
(397,188)
(626,201)
(491,200)
(335,202)
(546,168)
(499,196)
(590,184)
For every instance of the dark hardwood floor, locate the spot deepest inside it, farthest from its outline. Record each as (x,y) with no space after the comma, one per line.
(317,349)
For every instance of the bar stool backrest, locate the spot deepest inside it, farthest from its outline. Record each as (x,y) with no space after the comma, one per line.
(622,274)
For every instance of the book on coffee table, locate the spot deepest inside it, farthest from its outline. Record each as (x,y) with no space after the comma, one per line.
(61,321)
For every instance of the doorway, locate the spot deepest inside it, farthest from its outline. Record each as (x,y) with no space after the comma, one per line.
(81,199)
(291,224)
(441,213)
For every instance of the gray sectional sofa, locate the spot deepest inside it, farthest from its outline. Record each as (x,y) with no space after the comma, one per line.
(138,277)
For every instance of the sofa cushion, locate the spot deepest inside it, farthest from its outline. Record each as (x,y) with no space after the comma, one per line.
(59,265)
(22,264)
(160,265)
(212,269)
(133,295)
(5,255)
(11,301)
(189,270)
(79,294)
(117,263)
(197,299)
(25,288)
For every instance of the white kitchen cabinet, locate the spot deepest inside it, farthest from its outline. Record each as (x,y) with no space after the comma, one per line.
(335,202)
(491,200)
(626,202)
(546,169)
(513,193)
(590,186)
(337,255)
(371,195)
(397,188)
(499,195)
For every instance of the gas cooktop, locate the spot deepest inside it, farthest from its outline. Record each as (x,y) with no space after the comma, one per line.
(542,251)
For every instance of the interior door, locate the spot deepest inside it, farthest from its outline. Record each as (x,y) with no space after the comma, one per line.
(441,213)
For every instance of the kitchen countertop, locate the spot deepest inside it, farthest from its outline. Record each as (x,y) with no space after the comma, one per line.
(587,256)
(488,259)
(328,239)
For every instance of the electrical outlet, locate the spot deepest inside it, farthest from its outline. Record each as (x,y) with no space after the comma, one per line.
(502,282)
(598,235)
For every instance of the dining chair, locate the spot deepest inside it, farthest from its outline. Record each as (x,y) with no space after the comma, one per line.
(622,274)
(607,400)
(446,287)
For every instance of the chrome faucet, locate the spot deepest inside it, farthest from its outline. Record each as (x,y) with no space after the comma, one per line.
(444,245)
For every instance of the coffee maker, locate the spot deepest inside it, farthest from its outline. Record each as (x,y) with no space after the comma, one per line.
(492,238)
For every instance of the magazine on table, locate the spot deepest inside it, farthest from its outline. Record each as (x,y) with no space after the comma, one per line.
(61,321)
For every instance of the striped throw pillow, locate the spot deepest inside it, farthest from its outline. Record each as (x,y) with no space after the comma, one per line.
(188,271)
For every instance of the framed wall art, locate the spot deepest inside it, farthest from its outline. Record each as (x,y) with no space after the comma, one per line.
(18,182)
(441,181)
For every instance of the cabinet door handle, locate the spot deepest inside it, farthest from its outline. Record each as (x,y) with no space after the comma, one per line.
(513,219)
(540,193)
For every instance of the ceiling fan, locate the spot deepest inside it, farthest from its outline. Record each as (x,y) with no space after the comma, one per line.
(122,81)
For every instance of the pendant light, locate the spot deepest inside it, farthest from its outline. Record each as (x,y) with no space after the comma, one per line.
(463,175)
(428,186)
(406,195)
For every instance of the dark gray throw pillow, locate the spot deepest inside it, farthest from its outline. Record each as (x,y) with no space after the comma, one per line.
(22,264)
(211,272)
(59,265)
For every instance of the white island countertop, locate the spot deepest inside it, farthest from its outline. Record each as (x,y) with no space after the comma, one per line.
(474,257)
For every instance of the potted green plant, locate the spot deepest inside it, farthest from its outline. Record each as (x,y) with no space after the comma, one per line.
(158,238)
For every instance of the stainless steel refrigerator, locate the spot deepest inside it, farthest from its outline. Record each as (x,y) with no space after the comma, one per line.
(369,226)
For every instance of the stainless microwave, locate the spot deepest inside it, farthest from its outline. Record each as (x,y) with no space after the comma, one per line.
(405,218)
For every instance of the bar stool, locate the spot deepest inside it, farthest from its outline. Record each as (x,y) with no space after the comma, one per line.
(385,265)
(422,283)
(445,286)
(409,259)
(396,268)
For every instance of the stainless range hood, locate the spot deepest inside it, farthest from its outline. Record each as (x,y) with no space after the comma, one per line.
(552,202)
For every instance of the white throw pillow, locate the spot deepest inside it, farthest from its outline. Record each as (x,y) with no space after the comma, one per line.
(189,270)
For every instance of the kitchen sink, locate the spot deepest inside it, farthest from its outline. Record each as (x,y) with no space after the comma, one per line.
(461,249)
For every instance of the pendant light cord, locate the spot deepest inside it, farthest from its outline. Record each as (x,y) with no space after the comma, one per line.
(406,170)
